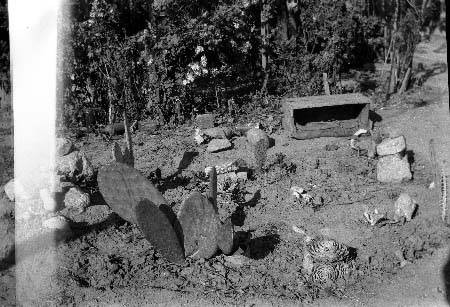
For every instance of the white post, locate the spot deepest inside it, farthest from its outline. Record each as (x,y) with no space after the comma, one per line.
(33,43)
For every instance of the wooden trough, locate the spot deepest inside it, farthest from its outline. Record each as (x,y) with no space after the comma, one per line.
(325,116)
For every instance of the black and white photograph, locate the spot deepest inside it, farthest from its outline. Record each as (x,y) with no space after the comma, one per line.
(224,153)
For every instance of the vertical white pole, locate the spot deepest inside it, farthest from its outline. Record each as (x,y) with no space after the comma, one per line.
(33,43)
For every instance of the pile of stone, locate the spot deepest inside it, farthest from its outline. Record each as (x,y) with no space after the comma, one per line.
(216,137)
(393,165)
(59,190)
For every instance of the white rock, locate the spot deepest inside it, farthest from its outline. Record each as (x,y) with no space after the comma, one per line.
(391,146)
(63,146)
(76,199)
(218,145)
(14,190)
(57,223)
(404,207)
(9,190)
(254,135)
(393,168)
(242,175)
(48,200)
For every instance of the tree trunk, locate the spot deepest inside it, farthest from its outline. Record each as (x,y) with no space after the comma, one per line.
(284,21)
(405,81)
(112,111)
(264,56)
(326,86)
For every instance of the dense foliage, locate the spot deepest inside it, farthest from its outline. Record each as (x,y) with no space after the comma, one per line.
(173,59)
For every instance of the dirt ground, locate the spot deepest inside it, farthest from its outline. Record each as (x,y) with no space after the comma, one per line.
(108,261)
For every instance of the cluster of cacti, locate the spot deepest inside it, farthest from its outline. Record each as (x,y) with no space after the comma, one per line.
(195,232)
(324,260)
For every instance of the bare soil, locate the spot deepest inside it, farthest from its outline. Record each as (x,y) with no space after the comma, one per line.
(108,261)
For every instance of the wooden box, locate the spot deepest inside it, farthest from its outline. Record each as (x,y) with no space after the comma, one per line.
(325,116)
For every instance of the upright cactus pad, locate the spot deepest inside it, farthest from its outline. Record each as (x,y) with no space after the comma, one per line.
(123,187)
(199,222)
(158,230)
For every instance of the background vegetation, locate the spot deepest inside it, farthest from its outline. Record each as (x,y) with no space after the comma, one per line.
(172,59)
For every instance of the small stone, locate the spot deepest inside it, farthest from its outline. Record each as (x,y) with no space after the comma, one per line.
(216,133)
(391,146)
(63,146)
(217,145)
(57,222)
(254,135)
(76,199)
(242,175)
(393,168)
(404,207)
(198,137)
(205,121)
(48,200)
(236,260)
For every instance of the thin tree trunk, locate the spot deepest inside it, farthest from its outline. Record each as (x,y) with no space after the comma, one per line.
(130,156)
(264,57)
(326,86)
(394,52)
(405,81)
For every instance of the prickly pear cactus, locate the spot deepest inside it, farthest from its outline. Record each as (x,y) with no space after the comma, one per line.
(199,223)
(158,230)
(123,187)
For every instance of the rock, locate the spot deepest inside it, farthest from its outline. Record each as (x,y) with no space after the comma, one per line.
(158,230)
(15,189)
(404,207)
(254,135)
(48,200)
(9,190)
(236,260)
(225,237)
(242,175)
(57,223)
(63,146)
(205,121)
(75,167)
(393,168)
(218,133)
(76,199)
(199,137)
(123,187)
(217,145)
(199,222)
(391,146)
